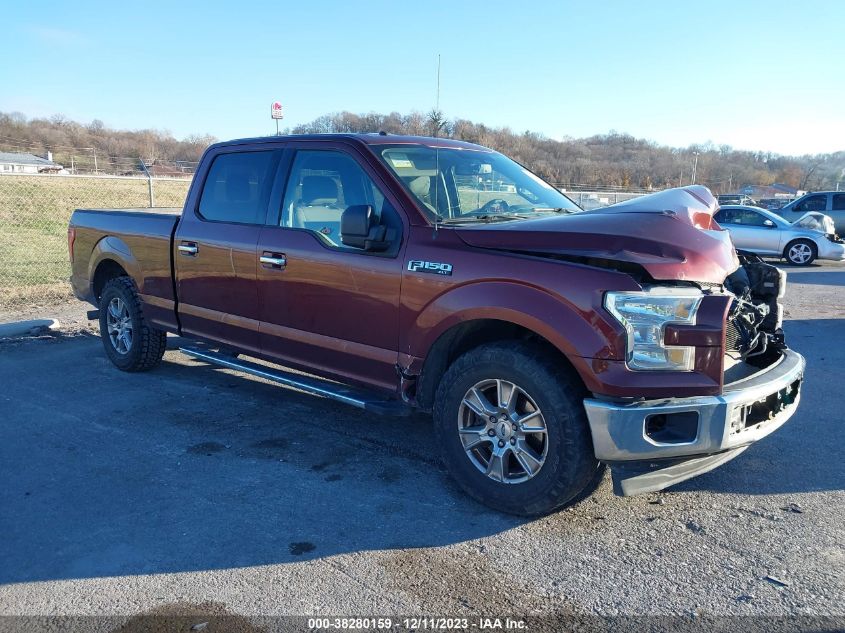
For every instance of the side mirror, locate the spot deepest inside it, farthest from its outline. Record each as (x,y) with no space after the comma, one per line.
(768,224)
(359,229)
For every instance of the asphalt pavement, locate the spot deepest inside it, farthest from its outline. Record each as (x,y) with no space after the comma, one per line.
(201,489)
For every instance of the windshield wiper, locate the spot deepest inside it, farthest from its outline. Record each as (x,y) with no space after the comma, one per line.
(552,209)
(487,217)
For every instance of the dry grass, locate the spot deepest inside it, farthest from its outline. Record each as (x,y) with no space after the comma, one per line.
(34,214)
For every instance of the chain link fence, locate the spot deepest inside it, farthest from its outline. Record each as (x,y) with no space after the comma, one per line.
(34,214)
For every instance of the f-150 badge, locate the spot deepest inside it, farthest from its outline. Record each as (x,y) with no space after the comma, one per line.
(435,268)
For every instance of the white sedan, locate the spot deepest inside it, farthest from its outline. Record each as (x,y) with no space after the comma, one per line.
(766,233)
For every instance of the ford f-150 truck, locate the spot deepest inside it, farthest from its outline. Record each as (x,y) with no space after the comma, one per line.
(394,273)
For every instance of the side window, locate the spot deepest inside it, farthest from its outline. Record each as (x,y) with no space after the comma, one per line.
(237,188)
(321,186)
(839,202)
(746,217)
(812,203)
(725,216)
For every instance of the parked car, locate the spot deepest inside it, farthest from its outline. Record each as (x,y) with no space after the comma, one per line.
(736,198)
(765,233)
(830,203)
(545,341)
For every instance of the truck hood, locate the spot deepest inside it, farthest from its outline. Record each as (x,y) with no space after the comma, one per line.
(671,234)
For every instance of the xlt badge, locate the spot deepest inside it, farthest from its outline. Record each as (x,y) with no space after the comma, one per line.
(435,268)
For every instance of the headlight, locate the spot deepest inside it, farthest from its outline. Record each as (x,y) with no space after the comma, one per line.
(644,316)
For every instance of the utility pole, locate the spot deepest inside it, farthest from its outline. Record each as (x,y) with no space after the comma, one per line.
(94,152)
(694,167)
(437,98)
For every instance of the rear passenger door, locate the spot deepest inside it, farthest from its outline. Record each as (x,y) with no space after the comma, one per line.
(327,307)
(215,246)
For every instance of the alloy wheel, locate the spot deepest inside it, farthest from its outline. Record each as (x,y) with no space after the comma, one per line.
(503,431)
(119,324)
(800,253)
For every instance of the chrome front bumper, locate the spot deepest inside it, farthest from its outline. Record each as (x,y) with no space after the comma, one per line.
(747,411)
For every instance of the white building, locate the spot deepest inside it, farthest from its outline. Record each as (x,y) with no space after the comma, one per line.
(14,163)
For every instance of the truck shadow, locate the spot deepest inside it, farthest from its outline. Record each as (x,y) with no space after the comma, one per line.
(804,455)
(190,468)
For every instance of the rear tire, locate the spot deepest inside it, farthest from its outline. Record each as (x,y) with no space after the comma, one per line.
(800,252)
(130,342)
(529,384)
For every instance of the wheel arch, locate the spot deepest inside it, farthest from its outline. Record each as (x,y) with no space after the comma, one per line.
(110,258)
(810,241)
(574,328)
(465,336)
(106,270)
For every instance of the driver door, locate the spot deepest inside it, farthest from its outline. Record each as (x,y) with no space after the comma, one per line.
(325,307)
(755,232)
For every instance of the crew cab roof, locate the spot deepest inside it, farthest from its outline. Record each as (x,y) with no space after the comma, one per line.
(364,139)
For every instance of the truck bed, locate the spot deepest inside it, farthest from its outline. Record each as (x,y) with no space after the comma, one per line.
(140,240)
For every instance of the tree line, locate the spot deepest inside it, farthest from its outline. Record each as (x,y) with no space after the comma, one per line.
(86,145)
(605,160)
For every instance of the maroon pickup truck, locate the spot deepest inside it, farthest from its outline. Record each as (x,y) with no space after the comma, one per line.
(394,273)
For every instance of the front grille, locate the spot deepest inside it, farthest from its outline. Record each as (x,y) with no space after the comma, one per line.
(706,285)
(732,337)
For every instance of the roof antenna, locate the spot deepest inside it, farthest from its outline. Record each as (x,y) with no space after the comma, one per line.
(437,98)
(437,217)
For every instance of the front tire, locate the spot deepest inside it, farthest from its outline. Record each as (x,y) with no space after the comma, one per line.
(511,425)
(800,252)
(130,342)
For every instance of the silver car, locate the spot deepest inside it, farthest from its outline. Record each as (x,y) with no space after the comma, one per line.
(765,233)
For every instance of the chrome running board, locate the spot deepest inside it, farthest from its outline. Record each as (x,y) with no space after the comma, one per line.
(361,399)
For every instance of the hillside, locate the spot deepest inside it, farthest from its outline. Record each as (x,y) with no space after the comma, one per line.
(612,160)
(116,151)
(609,160)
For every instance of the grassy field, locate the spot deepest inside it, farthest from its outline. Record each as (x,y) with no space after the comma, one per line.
(34,213)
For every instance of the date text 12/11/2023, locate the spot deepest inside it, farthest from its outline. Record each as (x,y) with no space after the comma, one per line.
(418,623)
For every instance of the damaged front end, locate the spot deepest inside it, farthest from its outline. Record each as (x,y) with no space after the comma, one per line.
(653,444)
(754,328)
(706,371)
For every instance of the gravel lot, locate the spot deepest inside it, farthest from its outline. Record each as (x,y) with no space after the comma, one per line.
(192,488)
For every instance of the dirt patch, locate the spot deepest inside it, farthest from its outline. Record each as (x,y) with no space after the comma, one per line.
(301,547)
(209,617)
(466,582)
(390,474)
(275,448)
(206,448)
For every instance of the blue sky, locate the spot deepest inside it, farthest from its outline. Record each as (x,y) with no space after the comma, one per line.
(764,75)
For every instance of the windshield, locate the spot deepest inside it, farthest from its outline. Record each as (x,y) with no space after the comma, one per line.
(464,185)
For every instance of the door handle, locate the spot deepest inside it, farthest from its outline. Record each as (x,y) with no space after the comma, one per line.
(273,260)
(188,249)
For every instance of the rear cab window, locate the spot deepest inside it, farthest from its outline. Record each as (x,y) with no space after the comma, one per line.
(237,187)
